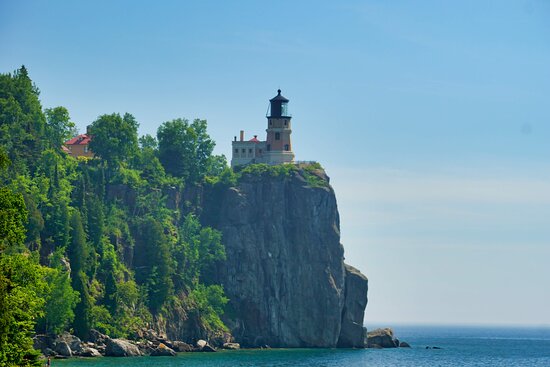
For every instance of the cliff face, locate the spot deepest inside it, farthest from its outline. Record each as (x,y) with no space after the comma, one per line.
(285,276)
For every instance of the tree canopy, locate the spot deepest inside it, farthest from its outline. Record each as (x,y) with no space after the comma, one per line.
(104,242)
(185,148)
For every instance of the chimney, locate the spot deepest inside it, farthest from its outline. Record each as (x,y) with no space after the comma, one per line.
(255,136)
(235,138)
(88,129)
(242,135)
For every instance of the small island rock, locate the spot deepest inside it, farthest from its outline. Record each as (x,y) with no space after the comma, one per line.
(382,337)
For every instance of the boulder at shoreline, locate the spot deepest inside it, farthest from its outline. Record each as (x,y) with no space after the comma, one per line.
(121,348)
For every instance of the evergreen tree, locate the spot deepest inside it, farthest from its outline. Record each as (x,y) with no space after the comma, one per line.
(22,123)
(153,263)
(60,301)
(20,282)
(82,319)
(78,251)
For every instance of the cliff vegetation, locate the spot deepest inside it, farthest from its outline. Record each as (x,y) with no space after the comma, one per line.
(101,243)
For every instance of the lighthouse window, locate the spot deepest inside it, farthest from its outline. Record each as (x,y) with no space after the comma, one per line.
(236,150)
(284,109)
(286,147)
(268,147)
(250,151)
(277,136)
(285,122)
(243,150)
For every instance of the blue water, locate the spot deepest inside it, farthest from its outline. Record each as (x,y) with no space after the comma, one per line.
(462,346)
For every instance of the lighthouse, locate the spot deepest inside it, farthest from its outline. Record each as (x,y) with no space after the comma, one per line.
(278,145)
(277,148)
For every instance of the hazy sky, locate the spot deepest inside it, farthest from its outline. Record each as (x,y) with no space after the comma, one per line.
(431,117)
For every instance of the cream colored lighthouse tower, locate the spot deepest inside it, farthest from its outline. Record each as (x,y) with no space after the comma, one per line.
(278,147)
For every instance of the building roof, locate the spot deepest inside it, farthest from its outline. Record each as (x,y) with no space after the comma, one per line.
(278,97)
(82,139)
(254,139)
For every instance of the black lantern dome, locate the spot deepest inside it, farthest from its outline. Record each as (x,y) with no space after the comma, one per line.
(278,106)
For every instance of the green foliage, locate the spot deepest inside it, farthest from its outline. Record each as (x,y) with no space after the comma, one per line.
(13,215)
(78,251)
(263,170)
(151,169)
(216,165)
(60,300)
(208,303)
(108,274)
(185,149)
(59,126)
(83,309)
(114,217)
(22,123)
(129,177)
(196,253)
(21,284)
(114,138)
(314,175)
(153,264)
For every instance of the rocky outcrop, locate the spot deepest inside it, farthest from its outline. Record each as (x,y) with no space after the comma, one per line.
(381,338)
(352,333)
(284,275)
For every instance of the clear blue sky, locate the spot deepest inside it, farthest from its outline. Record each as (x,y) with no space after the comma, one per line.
(431,117)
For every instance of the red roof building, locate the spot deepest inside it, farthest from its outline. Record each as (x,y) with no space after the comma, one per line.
(78,146)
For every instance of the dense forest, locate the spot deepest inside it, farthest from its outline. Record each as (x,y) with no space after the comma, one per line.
(97,242)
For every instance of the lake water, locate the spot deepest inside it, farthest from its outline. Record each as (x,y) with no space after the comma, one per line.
(462,346)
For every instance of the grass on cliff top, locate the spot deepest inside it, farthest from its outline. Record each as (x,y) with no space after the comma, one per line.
(312,172)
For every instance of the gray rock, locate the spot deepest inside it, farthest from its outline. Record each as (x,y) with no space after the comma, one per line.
(203,346)
(42,342)
(63,349)
(150,335)
(74,342)
(233,346)
(179,346)
(97,337)
(208,348)
(352,333)
(201,343)
(404,345)
(89,352)
(121,348)
(284,274)
(49,352)
(163,350)
(381,337)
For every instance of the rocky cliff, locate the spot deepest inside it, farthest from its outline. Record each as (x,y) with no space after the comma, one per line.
(285,275)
